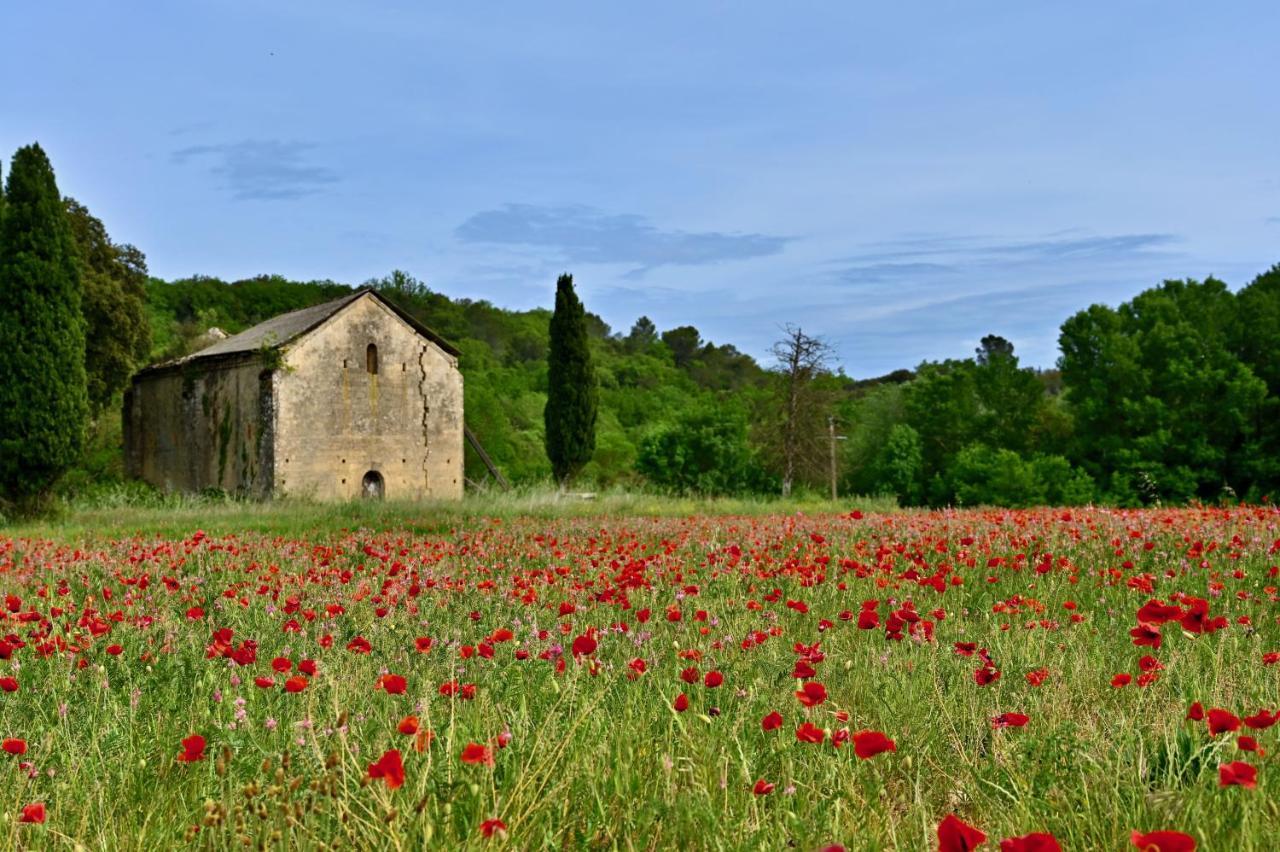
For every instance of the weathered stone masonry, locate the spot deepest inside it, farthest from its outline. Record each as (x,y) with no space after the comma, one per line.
(333,402)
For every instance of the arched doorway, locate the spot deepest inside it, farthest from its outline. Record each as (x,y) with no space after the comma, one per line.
(371,487)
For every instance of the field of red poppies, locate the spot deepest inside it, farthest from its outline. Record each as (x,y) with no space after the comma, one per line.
(1035,680)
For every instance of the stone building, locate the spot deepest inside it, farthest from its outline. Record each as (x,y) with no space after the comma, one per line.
(346,399)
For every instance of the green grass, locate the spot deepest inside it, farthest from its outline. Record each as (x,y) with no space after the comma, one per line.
(601,761)
(126,509)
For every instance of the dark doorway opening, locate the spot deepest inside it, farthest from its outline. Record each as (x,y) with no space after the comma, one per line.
(371,487)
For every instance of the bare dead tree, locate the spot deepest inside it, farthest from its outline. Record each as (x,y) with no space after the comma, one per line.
(801,359)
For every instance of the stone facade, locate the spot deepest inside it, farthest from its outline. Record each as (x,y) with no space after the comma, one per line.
(356,399)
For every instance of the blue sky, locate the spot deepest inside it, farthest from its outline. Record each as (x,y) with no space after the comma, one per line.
(900,178)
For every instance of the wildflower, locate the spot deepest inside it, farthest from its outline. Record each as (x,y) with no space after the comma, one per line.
(867,744)
(390,768)
(955,835)
(192,749)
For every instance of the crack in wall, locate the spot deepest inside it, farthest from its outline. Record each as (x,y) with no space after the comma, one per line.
(426,422)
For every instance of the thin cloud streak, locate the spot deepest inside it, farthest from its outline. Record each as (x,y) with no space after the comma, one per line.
(262,169)
(586,235)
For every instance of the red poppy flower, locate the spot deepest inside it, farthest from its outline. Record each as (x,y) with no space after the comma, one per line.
(985,675)
(15,747)
(812,694)
(9,684)
(263,682)
(393,684)
(192,749)
(33,812)
(1196,712)
(1261,720)
(1163,841)
(1121,679)
(115,650)
(307,667)
(771,722)
(476,753)
(681,703)
(1145,634)
(1150,664)
(1237,773)
(281,664)
(867,744)
(1037,677)
(1037,842)
(490,827)
(810,733)
(1010,720)
(713,679)
(1248,744)
(1222,721)
(762,788)
(408,726)
(422,644)
(390,768)
(689,675)
(955,835)
(584,646)
(297,683)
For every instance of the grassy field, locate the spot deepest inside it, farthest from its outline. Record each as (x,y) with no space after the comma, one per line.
(536,673)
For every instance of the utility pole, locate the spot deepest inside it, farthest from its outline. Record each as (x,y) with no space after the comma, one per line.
(831,433)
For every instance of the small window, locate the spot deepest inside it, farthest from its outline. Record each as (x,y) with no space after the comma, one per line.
(372,486)
(371,359)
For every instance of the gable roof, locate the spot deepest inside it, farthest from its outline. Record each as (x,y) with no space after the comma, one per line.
(285,328)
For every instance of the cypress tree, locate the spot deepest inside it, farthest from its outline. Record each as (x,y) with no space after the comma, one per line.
(570,414)
(43,398)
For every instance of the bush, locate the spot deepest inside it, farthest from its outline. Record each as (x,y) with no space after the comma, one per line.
(703,452)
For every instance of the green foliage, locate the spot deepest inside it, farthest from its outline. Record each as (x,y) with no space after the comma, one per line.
(900,465)
(117,333)
(43,396)
(1159,391)
(986,476)
(570,415)
(705,451)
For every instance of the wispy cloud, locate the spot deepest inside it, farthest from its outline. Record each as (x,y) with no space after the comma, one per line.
(588,235)
(262,169)
(970,250)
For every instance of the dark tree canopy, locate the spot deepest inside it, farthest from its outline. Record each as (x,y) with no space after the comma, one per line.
(570,414)
(114,280)
(684,343)
(642,335)
(43,398)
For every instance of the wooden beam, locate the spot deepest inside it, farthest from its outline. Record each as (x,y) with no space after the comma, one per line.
(484,457)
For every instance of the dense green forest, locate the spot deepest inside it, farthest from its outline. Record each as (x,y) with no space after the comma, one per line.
(1172,396)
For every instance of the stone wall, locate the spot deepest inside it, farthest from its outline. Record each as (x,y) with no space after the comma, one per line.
(201,426)
(336,421)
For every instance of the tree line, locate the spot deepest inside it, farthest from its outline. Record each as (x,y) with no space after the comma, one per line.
(1172,396)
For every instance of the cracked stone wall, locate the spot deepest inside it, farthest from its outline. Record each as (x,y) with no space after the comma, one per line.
(336,421)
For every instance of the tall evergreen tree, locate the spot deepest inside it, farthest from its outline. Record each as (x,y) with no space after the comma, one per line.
(43,399)
(570,414)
